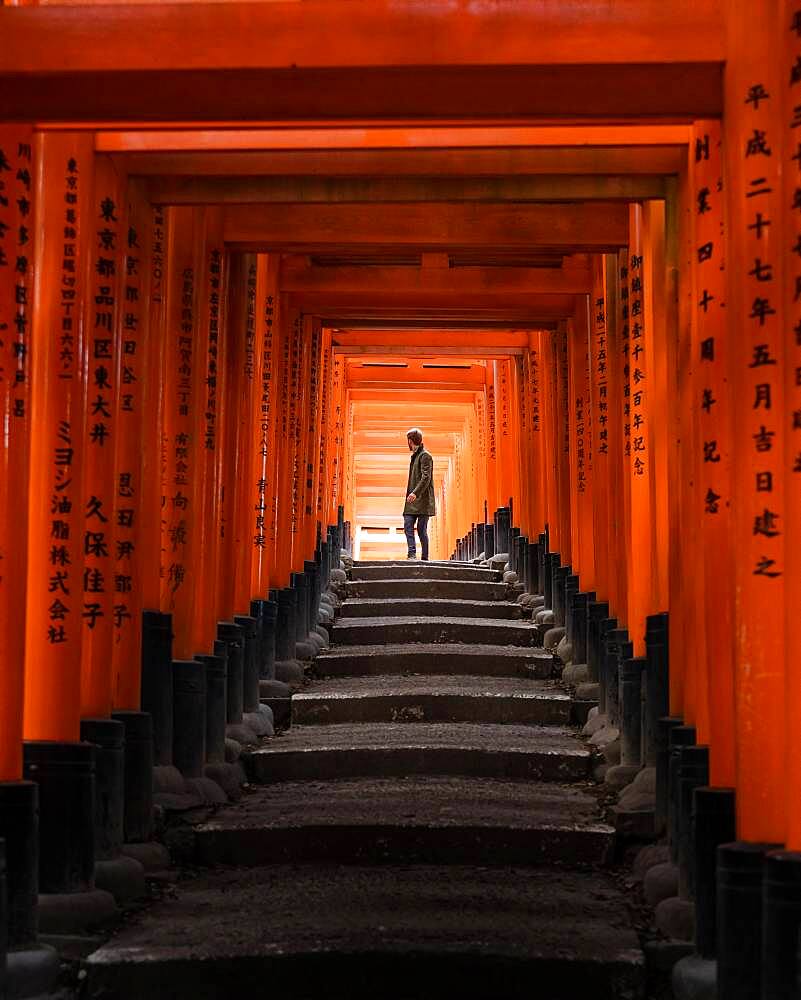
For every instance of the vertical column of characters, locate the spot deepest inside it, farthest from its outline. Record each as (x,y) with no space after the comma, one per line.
(180,360)
(337,417)
(624,414)
(476,492)
(637,367)
(537,456)
(790,22)
(524,457)
(755,237)
(550,444)
(299,389)
(17,227)
(237,366)
(262,491)
(599,408)
(154,229)
(208,390)
(479,405)
(312,408)
(709,420)
(581,445)
(658,287)
(576,464)
(101,390)
(562,415)
(285,440)
(63,188)
(324,512)
(615,441)
(493,487)
(503,432)
(130,554)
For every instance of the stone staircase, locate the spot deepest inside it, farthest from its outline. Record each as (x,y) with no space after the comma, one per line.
(427,827)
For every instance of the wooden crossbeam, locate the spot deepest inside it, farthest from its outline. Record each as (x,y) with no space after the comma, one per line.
(600,226)
(238,61)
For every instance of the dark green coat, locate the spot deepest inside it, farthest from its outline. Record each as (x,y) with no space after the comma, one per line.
(421,483)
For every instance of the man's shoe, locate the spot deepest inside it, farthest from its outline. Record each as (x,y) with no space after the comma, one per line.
(411,556)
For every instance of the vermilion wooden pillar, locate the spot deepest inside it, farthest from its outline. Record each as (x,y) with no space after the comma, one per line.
(755,238)
(599,409)
(562,444)
(311,451)
(103,373)
(494,490)
(157,499)
(551,442)
(18,181)
(325,514)
(616,285)
(182,355)
(581,446)
(790,26)
(207,442)
(710,413)
(56,516)
(237,377)
(291,332)
(134,559)
(538,339)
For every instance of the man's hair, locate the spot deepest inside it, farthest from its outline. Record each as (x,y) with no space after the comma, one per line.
(416,435)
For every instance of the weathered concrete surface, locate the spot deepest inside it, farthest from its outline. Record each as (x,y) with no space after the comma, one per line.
(411,628)
(408,820)
(385,607)
(413,570)
(390,932)
(464,590)
(436,658)
(538,753)
(431,699)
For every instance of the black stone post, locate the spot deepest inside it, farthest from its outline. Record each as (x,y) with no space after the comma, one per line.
(137,777)
(713,825)
(489,541)
(693,773)
(665,727)
(503,530)
(781,922)
(108,736)
(596,612)
(480,539)
(189,726)
(300,586)
(680,737)
(739,913)
(285,625)
(605,626)
(571,588)
(514,534)
(157,681)
(631,672)
(551,566)
(657,691)
(268,620)
(250,663)
(231,634)
(310,568)
(19,828)
(216,711)
(65,774)
(618,649)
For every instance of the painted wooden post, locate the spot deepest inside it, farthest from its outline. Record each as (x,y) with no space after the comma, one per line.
(102,375)
(711,413)
(581,446)
(18,180)
(182,355)
(131,554)
(562,445)
(494,491)
(56,522)
(599,394)
(757,210)
(790,26)
(290,328)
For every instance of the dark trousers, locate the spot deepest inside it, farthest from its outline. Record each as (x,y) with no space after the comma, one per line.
(422,531)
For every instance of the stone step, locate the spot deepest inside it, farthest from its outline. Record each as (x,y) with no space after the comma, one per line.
(395,932)
(410,628)
(534,753)
(408,820)
(429,607)
(464,590)
(414,570)
(434,658)
(426,698)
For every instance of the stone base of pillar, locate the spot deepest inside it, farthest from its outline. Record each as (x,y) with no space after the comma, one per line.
(552,637)
(306,649)
(273,689)
(229,777)
(575,674)
(122,876)
(621,775)
(675,918)
(290,672)
(595,721)
(323,633)
(661,882)
(74,912)
(31,971)
(260,721)
(695,978)
(152,856)
(587,691)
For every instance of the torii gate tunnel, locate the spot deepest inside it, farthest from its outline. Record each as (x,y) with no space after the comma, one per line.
(245,246)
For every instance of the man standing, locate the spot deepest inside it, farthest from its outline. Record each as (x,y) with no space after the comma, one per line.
(419,493)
